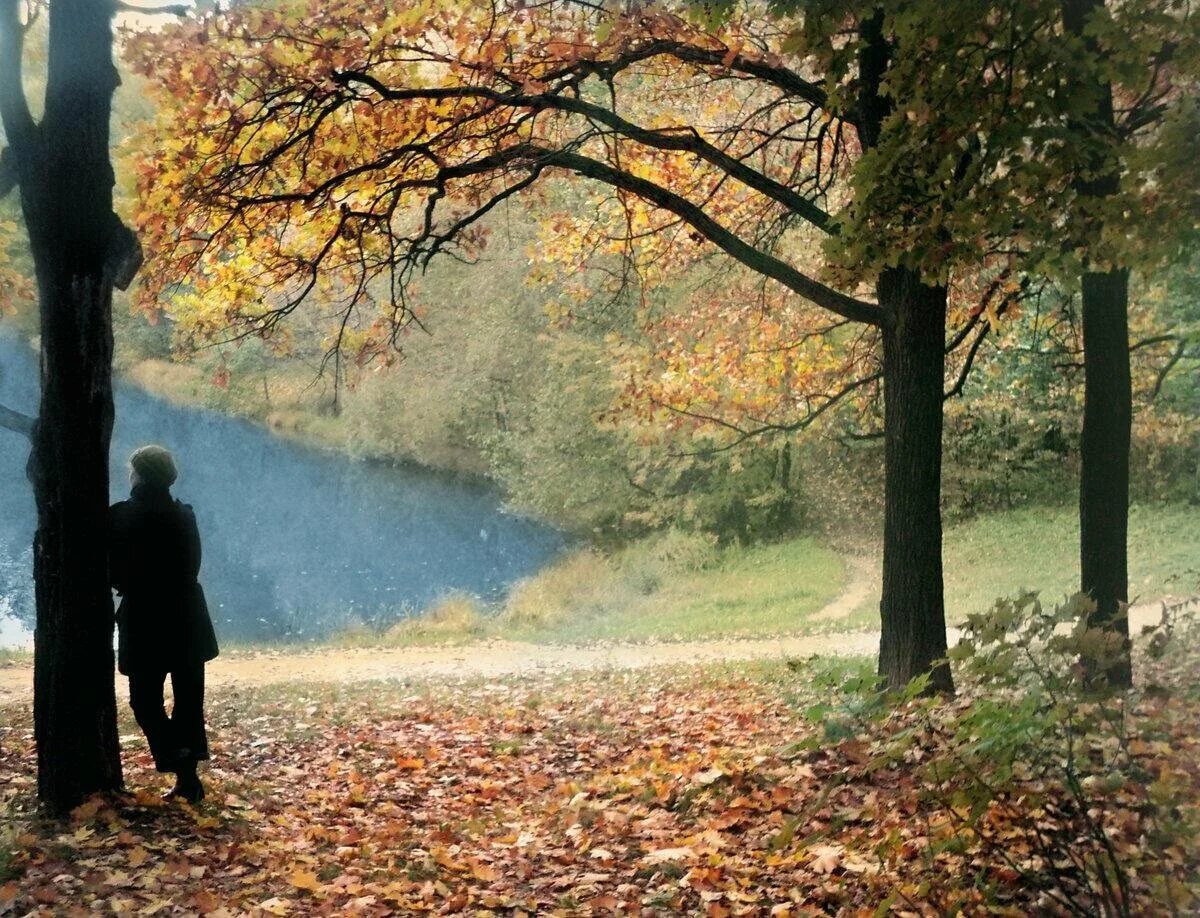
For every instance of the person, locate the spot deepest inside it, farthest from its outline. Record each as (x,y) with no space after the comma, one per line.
(163,621)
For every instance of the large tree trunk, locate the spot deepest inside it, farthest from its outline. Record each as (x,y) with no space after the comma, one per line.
(912,614)
(1108,395)
(67,202)
(1104,470)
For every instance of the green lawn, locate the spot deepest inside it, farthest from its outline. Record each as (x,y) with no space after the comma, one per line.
(769,589)
(1037,548)
(679,587)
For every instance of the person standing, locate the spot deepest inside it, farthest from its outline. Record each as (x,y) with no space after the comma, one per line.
(163,622)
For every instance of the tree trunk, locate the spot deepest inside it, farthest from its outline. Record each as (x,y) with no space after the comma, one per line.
(1108,395)
(67,202)
(912,613)
(1104,470)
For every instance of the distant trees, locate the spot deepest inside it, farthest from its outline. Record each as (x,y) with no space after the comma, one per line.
(59,164)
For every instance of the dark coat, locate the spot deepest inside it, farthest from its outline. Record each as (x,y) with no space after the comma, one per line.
(153,562)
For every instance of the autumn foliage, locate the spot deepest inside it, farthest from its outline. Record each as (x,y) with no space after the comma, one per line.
(664,792)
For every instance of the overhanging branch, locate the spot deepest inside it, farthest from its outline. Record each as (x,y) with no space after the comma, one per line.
(684,140)
(761,262)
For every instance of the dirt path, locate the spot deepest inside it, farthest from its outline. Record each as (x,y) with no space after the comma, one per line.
(864,575)
(501,658)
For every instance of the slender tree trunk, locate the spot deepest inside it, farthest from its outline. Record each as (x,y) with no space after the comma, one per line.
(1104,455)
(66,195)
(1108,395)
(912,613)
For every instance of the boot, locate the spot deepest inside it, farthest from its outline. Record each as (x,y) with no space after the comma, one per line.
(188,786)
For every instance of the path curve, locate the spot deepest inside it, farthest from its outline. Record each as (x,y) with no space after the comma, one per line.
(502,658)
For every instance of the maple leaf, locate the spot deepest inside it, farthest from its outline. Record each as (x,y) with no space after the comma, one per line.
(305,880)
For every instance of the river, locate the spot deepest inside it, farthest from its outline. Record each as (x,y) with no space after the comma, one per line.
(298,542)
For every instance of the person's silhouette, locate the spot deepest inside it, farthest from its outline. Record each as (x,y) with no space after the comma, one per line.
(163,621)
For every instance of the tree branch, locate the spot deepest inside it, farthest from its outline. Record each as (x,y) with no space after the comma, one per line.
(831,400)
(15,115)
(124,254)
(777,75)
(762,262)
(8,172)
(957,388)
(1161,377)
(16,421)
(686,140)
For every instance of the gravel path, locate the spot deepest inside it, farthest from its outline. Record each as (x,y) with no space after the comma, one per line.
(501,658)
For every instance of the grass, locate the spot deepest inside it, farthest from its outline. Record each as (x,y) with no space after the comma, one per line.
(679,587)
(11,657)
(648,593)
(673,587)
(1037,548)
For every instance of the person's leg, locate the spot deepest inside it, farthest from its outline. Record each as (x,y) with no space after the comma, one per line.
(187,716)
(187,720)
(146,700)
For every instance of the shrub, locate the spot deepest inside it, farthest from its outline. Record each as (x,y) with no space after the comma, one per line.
(646,564)
(1066,797)
(582,584)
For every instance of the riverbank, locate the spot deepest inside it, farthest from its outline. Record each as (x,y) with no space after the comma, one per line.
(677,587)
(497,658)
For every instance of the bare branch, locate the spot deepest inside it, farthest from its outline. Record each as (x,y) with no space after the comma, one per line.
(16,421)
(1161,377)
(957,388)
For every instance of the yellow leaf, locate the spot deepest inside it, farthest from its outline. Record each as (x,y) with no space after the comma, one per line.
(305,879)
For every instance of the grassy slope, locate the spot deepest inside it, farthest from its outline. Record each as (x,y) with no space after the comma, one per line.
(768,589)
(645,593)
(1038,548)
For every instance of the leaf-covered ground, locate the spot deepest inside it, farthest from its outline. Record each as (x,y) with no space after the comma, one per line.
(684,791)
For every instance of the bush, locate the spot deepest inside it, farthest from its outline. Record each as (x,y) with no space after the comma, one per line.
(648,563)
(580,585)
(1062,796)
(457,617)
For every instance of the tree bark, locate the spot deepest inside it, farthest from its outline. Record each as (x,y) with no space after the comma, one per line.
(1108,395)
(66,197)
(912,613)
(1104,468)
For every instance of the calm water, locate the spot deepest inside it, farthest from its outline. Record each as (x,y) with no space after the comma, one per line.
(297,542)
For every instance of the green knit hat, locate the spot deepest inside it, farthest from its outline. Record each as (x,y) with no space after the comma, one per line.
(154,465)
